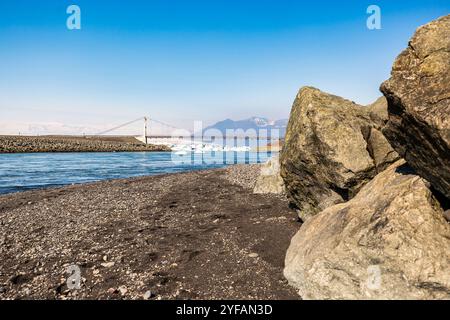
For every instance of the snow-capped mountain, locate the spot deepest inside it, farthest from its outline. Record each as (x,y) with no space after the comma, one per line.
(250,123)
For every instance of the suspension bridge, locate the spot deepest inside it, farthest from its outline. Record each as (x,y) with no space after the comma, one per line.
(164,130)
(154,130)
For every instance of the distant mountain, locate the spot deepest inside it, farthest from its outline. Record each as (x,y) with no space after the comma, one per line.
(44,128)
(57,128)
(255,123)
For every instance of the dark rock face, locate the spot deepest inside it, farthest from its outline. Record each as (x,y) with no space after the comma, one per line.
(332,148)
(418,95)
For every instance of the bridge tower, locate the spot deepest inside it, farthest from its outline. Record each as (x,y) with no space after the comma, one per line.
(145,129)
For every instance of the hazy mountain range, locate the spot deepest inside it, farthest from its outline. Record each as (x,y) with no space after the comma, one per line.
(255,123)
(44,128)
(49,128)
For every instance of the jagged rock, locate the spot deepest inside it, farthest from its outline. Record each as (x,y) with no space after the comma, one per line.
(380,151)
(418,95)
(269,179)
(332,148)
(389,242)
(378,109)
(447,215)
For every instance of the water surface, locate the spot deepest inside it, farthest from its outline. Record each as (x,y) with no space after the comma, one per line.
(26,171)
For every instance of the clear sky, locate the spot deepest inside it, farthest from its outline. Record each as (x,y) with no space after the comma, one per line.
(180,61)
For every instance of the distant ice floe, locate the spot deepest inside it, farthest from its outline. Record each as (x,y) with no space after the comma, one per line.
(200,148)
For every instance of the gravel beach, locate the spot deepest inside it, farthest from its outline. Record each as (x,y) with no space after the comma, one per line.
(195,235)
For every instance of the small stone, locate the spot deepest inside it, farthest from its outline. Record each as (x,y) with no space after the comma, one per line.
(123,290)
(253,255)
(107,264)
(147,295)
(105,258)
(111,290)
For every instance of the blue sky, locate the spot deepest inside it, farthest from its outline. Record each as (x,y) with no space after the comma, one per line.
(180,61)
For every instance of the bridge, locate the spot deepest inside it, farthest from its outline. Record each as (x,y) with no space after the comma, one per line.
(161,131)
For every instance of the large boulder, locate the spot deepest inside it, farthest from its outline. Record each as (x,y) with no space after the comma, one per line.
(332,148)
(389,242)
(269,179)
(418,95)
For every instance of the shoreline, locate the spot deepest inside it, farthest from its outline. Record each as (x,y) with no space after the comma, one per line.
(73,144)
(196,235)
(125,179)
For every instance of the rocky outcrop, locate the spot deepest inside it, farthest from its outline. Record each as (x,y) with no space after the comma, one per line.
(418,95)
(332,148)
(389,242)
(269,179)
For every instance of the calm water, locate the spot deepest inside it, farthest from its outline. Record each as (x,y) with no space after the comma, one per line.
(19,172)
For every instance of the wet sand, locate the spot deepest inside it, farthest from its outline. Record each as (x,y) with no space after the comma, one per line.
(196,235)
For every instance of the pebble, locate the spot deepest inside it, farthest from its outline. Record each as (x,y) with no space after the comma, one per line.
(253,255)
(111,290)
(147,295)
(123,290)
(107,264)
